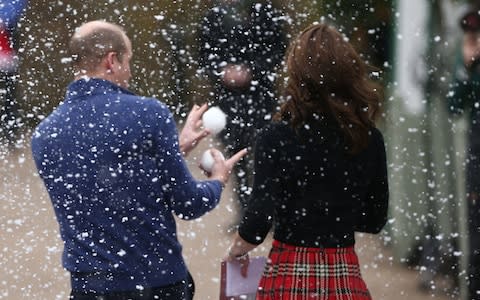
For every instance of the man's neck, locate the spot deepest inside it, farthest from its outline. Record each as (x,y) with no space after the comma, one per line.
(85,75)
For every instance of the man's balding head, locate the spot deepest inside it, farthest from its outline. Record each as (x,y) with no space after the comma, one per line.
(92,41)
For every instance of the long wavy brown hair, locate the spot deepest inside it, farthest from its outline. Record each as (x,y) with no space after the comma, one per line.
(327,77)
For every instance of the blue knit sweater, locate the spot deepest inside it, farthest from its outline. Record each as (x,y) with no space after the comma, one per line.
(111,164)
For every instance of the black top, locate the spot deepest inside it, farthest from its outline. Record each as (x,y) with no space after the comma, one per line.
(314,192)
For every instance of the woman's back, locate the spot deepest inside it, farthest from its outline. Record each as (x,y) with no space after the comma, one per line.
(317,192)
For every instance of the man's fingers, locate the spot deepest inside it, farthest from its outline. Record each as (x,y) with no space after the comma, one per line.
(200,135)
(244,267)
(203,170)
(217,155)
(237,156)
(199,110)
(193,110)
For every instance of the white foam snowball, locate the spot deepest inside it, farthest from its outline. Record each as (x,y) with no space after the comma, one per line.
(207,160)
(214,119)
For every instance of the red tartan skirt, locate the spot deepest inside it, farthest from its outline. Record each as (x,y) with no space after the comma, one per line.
(298,273)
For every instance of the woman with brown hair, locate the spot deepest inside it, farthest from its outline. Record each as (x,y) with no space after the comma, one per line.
(320,174)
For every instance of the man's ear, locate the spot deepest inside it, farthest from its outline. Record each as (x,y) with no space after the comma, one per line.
(110,60)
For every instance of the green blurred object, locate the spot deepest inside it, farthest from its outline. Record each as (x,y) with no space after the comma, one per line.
(426,149)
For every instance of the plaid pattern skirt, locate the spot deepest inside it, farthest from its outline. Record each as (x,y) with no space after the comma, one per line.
(299,273)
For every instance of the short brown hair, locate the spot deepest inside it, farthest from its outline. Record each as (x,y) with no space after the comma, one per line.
(327,76)
(87,50)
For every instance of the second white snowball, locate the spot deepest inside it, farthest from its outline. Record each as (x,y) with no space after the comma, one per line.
(214,119)
(207,160)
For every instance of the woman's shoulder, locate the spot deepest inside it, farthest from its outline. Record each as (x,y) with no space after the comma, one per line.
(308,132)
(376,135)
(274,134)
(377,143)
(276,129)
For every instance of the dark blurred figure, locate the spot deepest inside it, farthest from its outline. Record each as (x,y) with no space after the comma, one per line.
(241,45)
(10,13)
(466,97)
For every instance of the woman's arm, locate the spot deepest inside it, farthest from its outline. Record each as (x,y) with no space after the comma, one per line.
(258,217)
(373,213)
(239,248)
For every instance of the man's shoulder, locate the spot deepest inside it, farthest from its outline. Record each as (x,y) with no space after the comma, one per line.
(46,120)
(143,102)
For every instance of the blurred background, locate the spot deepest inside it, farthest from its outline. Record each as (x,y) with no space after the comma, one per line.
(413,43)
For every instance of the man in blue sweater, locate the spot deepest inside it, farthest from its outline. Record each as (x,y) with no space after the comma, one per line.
(112,164)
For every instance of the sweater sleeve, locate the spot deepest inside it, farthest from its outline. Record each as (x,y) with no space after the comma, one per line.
(187,197)
(374,208)
(258,217)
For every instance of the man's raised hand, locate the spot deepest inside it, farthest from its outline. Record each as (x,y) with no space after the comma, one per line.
(192,133)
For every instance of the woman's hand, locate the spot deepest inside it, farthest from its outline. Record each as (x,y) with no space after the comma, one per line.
(238,253)
(243,260)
